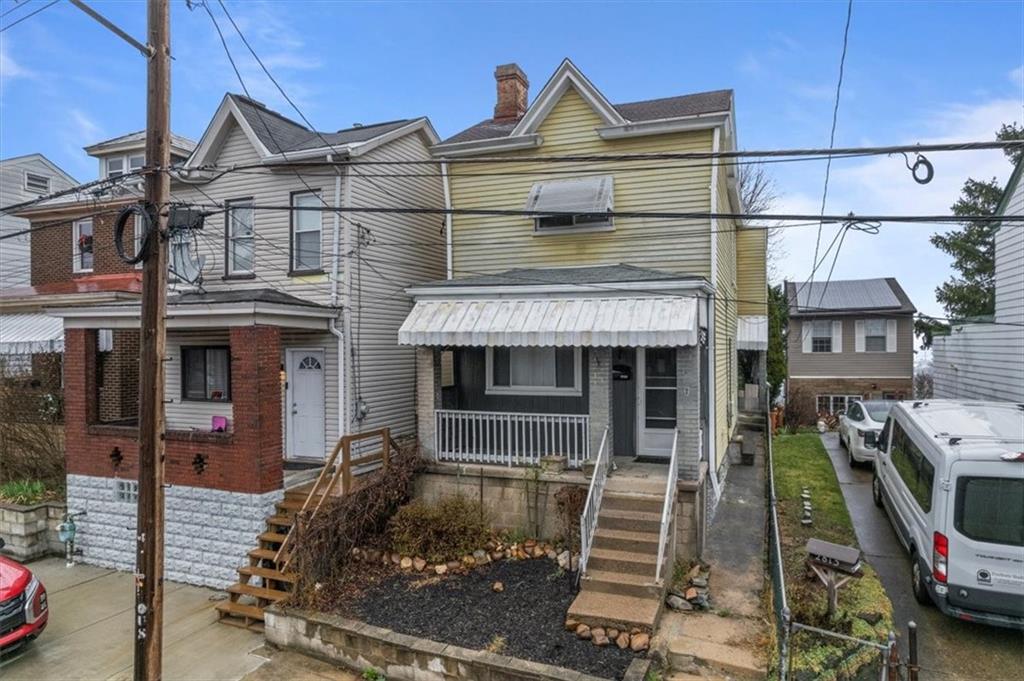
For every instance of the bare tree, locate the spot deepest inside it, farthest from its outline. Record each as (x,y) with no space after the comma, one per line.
(759,194)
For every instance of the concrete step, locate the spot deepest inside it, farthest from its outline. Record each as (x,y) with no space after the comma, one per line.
(646,503)
(626,540)
(710,644)
(629,520)
(628,562)
(595,608)
(620,583)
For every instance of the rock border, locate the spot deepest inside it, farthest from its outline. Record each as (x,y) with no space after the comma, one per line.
(357,646)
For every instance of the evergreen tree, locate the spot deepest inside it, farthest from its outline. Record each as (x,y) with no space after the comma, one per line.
(778,318)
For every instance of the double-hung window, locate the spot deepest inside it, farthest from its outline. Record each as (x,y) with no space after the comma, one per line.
(81,234)
(136,161)
(241,237)
(581,204)
(115,166)
(307,225)
(821,336)
(534,371)
(205,374)
(875,335)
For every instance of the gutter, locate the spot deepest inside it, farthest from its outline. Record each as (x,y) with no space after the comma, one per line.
(446,187)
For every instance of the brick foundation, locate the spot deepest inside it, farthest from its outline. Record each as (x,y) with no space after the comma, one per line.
(869,388)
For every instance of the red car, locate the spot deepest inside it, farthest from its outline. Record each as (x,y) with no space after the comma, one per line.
(23,606)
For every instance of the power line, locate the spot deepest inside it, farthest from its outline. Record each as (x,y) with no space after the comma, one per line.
(18,4)
(832,136)
(114,183)
(28,16)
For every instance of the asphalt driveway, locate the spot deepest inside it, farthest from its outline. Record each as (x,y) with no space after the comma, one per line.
(89,635)
(948,648)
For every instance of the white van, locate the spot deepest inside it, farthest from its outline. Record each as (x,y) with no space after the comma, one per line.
(951,476)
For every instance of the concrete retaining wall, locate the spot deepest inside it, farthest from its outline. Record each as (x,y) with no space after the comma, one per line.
(208,533)
(31,531)
(358,646)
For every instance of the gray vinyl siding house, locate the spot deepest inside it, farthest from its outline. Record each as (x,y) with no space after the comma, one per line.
(984,360)
(849,340)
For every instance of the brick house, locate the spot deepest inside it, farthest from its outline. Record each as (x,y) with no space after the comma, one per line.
(262,373)
(849,340)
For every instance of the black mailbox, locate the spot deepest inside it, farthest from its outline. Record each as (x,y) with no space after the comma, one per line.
(622,372)
(837,557)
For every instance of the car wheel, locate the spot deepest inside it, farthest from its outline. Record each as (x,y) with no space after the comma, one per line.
(876,490)
(917,583)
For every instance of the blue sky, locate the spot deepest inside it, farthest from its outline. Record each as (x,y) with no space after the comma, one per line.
(915,72)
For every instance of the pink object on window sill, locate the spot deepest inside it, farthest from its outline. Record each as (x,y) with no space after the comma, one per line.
(220,424)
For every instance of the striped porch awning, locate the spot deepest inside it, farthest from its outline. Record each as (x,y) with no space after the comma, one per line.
(27,333)
(752,332)
(637,321)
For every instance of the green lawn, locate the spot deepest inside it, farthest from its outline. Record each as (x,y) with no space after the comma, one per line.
(864,608)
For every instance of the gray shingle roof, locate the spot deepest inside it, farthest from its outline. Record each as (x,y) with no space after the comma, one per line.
(281,134)
(855,295)
(635,112)
(599,274)
(247,295)
(139,136)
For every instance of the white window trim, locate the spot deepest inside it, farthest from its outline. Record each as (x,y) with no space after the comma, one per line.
(39,175)
(230,260)
(863,335)
(76,254)
(126,164)
(575,391)
(296,231)
(607,226)
(830,335)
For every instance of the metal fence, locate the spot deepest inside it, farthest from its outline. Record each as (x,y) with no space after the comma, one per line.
(856,659)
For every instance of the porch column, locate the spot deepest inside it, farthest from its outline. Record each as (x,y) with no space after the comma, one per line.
(428,396)
(256,395)
(688,410)
(599,372)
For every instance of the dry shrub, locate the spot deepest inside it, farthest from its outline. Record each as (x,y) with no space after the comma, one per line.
(570,501)
(799,411)
(447,530)
(30,449)
(323,546)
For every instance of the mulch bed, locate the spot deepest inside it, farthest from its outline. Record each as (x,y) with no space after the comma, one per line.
(464,610)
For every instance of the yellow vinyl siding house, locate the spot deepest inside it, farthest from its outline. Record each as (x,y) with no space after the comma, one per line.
(607,323)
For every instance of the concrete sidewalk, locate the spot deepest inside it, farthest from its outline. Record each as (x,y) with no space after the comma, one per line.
(90,631)
(730,637)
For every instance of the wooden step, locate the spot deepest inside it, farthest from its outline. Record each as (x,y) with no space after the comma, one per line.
(644,503)
(273,537)
(626,540)
(285,521)
(293,504)
(258,592)
(267,573)
(623,612)
(268,554)
(620,583)
(628,562)
(235,609)
(629,520)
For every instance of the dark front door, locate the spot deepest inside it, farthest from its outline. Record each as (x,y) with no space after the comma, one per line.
(624,401)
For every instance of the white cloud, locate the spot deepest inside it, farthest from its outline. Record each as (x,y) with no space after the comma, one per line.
(11,69)
(1016,76)
(83,128)
(749,64)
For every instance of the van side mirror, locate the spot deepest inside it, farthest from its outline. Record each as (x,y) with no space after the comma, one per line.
(882,444)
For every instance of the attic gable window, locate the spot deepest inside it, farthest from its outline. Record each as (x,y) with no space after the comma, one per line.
(580,204)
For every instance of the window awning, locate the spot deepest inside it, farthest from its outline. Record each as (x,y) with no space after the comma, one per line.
(583,196)
(752,332)
(666,321)
(26,333)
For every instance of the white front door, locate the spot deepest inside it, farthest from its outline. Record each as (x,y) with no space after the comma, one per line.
(305,403)
(656,401)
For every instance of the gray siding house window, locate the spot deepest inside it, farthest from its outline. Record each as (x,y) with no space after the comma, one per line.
(874,335)
(205,374)
(241,233)
(306,230)
(582,204)
(534,371)
(821,337)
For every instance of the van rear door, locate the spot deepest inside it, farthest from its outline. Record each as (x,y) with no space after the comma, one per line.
(985,528)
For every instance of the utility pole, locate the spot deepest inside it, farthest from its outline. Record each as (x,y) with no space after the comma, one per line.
(149,560)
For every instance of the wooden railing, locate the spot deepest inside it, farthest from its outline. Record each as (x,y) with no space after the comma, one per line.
(510,439)
(336,479)
(668,510)
(588,519)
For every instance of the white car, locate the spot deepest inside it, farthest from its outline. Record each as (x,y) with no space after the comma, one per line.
(860,426)
(950,476)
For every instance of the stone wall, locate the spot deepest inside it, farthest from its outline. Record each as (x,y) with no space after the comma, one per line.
(31,531)
(358,646)
(208,531)
(507,494)
(691,515)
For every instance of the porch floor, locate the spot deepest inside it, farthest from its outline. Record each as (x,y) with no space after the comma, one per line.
(631,476)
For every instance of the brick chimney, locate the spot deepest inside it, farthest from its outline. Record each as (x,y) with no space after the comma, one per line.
(513,88)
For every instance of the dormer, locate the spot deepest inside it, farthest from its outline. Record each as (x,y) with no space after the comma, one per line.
(127,153)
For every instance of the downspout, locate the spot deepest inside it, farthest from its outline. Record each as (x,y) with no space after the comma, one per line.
(716,486)
(336,245)
(346,303)
(446,187)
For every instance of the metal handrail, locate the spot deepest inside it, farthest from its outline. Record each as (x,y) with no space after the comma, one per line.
(510,438)
(669,507)
(588,519)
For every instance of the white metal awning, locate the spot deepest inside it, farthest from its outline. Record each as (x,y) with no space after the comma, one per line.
(26,333)
(665,321)
(586,195)
(752,332)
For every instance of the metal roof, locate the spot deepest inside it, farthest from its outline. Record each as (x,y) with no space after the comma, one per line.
(854,295)
(652,321)
(30,332)
(594,274)
(752,332)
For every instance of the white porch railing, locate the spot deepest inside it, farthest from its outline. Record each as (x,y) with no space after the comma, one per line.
(670,504)
(588,519)
(510,439)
